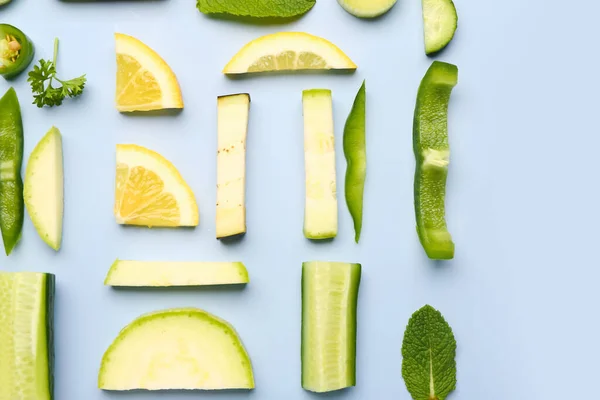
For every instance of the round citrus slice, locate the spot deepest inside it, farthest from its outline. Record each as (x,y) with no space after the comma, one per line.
(144,80)
(150,191)
(288,51)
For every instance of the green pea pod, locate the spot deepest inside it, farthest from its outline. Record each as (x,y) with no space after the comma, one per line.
(16,51)
(432,153)
(11,159)
(355,151)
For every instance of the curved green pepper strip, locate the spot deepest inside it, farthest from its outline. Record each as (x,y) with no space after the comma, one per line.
(355,151)
(432,153)
(11,159)
(16,51)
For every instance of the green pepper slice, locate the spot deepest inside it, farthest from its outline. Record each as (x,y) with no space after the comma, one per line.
(355,151)
(16,51)
(11,158)
(432,153)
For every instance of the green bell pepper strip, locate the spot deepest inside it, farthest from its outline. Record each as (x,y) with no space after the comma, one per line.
(432,153)
(16,51)
(11,159)
(355,152)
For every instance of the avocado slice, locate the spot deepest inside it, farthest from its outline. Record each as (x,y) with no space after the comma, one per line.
(182,348)
(44,188)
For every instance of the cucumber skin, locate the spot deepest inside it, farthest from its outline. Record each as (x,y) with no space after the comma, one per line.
(50,294)
(355,270)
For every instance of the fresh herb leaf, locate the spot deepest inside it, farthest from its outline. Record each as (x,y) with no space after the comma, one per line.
(428,351)
(256,8)
(41,78)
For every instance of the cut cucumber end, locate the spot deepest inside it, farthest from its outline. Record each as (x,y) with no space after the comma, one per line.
(367,8)
(440,21)
(329,319)
(185,348)
(44,188)
(26,339)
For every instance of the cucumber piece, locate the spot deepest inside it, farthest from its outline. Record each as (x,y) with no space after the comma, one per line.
(321,208)
(26,338)
(184,348)
(367,8)
(44,188)
(439,24)
(160,274)
(329,305)
(233,113)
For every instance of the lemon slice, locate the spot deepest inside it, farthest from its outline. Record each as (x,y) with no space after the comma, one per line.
(288,51)
(144,80)
(150,191)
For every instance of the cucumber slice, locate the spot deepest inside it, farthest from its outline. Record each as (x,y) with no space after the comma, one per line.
(26,340)
(321,213)
(185,348)
(44,188)
(329,304)
(233,113)
(439,23)
(156,274)
(367,8)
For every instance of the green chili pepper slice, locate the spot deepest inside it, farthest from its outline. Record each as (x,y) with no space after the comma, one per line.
(16,51)
(355,151)
(11,158)
(432,153)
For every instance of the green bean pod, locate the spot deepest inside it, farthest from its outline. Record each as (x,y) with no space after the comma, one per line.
(11,158)
(355,151)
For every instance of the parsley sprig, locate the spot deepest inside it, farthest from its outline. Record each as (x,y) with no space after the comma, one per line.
(41,78)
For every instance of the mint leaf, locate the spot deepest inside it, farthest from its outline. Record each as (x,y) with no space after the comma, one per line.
(256,8)
(428,351)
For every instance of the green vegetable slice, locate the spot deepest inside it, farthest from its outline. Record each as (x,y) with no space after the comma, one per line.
(26,339)
(439,24)
(183,348)
(355,151)
(16,50)
(329,309)
(367,8)
(11,160)
(432,153)
(428,352)
(44,188)
(321,207)
(160,274)
(256,8)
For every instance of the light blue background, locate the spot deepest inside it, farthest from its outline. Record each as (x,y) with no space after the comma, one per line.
(521,294)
